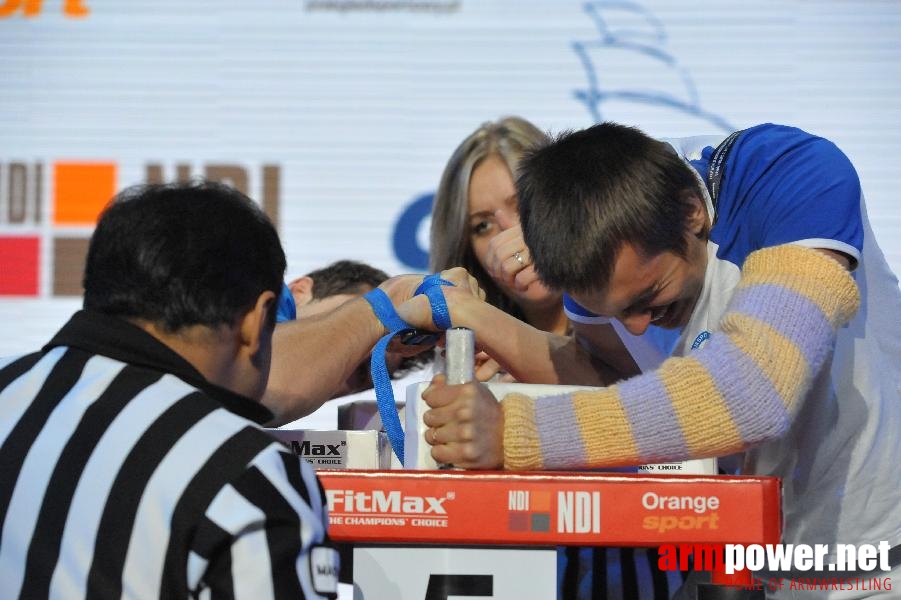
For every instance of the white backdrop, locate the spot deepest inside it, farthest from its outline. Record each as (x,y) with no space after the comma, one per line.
(353,106)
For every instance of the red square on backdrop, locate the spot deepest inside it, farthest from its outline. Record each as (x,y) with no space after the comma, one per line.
(19,260)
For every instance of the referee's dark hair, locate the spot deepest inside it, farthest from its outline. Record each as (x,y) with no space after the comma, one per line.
(177,255)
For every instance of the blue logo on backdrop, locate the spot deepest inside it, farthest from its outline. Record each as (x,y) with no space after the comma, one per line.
(631,41)
(406,246)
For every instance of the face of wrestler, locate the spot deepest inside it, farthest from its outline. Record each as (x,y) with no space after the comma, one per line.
(661,289)
(491,190)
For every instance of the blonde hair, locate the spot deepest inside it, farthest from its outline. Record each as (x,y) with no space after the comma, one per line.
(449,243)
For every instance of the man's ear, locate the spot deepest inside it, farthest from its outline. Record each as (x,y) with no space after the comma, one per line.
(256,324)
(698,221)
(302,290)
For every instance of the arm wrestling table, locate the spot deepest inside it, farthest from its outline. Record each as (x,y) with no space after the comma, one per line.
(441,534)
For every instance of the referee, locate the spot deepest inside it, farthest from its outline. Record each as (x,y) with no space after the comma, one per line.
(131,460)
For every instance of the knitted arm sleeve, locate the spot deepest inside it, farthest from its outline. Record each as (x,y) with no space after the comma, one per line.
(741,389)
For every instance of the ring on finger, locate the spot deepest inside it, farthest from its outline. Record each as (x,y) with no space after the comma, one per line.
(518,256)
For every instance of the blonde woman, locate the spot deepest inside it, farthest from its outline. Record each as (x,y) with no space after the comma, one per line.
(476,201)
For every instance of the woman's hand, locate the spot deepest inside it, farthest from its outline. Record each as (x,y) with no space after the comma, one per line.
(508,259)
(466,425)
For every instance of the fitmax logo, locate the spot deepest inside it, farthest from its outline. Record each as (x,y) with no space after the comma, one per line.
(305,448)
(380,501)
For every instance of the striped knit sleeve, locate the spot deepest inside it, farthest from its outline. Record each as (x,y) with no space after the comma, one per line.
(742,388)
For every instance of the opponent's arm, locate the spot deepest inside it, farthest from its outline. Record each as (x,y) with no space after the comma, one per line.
(312,357)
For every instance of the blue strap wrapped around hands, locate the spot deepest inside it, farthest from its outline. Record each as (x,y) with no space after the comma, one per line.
(381,379)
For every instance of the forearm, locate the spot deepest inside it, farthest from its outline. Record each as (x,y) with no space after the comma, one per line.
(743,388)
(530,355)
(312,357)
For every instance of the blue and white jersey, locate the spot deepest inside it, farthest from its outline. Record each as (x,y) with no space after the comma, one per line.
(780,185)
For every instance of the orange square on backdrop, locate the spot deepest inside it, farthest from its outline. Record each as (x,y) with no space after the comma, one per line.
(81,191)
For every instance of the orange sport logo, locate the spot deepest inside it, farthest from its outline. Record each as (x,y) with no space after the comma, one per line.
(32,8)
(680,513)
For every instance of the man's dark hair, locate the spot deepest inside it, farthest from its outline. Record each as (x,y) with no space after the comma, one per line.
(584,194)
(177,255)
(345,277)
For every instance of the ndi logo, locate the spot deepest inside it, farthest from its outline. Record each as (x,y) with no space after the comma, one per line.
(579,512)
(529,510)
(47,214)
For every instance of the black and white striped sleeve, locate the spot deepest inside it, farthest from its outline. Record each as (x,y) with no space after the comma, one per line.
(264,535)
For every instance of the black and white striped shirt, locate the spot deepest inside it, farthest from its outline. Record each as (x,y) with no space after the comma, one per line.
(124,473)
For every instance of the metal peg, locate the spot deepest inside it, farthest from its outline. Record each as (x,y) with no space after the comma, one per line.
(459,352)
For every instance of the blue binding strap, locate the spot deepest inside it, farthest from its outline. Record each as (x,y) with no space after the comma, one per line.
(381,379)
